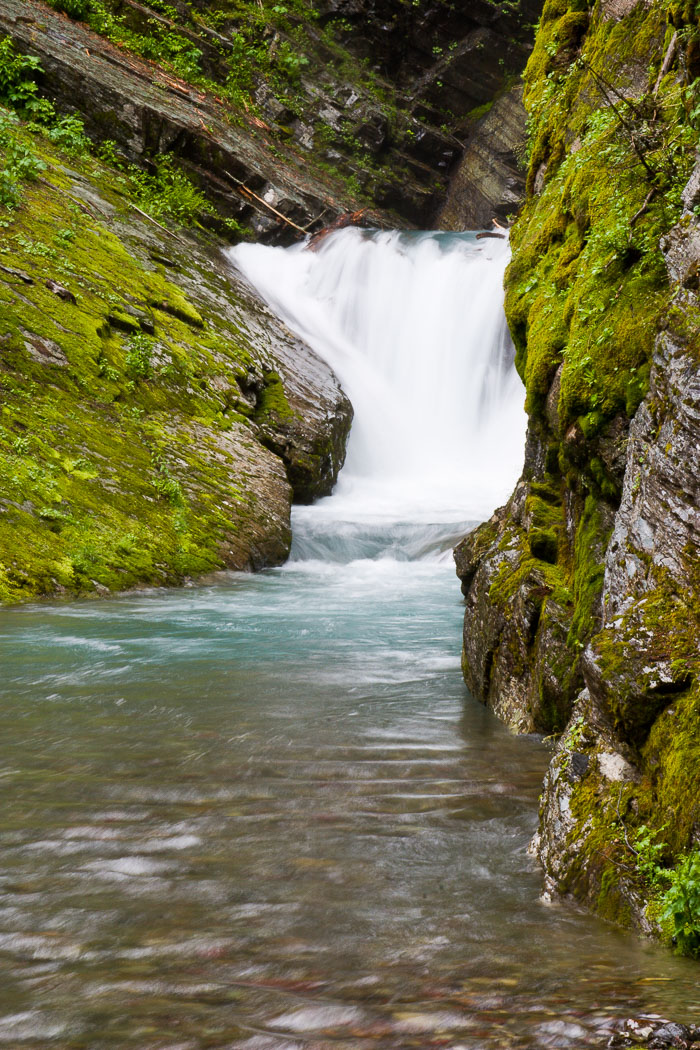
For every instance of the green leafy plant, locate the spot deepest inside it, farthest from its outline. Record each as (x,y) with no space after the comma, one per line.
(649,853)
(138,357)
(680,904)
(19,89)
(78,9)
(18,164)
(17,75)
(69,133)
(167,191)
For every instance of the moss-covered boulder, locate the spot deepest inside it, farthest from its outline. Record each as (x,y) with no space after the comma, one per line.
(155,419)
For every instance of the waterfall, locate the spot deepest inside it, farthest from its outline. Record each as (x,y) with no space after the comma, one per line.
(413,325)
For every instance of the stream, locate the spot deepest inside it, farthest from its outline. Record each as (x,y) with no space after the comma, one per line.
(263,813)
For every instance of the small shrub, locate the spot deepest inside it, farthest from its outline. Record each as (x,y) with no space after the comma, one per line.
(17,75)
(69,133)
(680,904)
(138,357)
(167,192)
(169,489)
(18,164)
(77,9)
(649,854)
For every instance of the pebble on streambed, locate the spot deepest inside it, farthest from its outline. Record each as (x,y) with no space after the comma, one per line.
(656,1036)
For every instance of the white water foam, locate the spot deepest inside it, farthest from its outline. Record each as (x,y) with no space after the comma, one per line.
(413,325)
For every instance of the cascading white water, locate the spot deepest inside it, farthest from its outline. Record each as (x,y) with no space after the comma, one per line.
(413,325)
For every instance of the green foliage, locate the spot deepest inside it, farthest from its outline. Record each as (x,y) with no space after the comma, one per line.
(137,363)
(78,9)
(587,287)
(69,133)
(167,191)
(18,164)
(17,75)
(115,468)
(680,904)
(19,89)
(676,891)
(649,854)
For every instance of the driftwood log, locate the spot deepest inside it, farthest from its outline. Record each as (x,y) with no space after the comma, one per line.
(348,218)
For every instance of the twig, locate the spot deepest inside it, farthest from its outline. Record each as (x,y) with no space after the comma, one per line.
(666,64)
(604,85)
(150,217)
(638,214)
(624,826)
(314,221)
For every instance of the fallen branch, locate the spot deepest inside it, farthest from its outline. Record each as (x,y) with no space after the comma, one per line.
(605,86)
(638,214)
(666,64)
(150,218)
(269,207)
(348,218)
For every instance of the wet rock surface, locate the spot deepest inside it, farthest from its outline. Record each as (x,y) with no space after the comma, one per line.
(489,182)
(655,1034)
(299,168)
(627,691)
(147,112)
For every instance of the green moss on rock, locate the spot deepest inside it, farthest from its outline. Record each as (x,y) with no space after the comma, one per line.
(121,453)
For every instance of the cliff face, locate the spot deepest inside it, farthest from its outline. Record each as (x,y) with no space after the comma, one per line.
(582,593)
(284,116)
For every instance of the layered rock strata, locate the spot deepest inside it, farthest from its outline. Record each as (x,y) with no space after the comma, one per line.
(334,138)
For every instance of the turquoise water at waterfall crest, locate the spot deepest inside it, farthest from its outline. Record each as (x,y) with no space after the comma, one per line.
(263,813)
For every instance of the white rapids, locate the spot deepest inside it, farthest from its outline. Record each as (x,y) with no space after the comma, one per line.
(413,325)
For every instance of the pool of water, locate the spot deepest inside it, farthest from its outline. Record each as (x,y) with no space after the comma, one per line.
(264,814)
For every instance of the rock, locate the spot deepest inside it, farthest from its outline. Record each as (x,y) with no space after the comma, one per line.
(60,291)
(515,656)
(44,350)
(142,109)
(17,273)
(311,430)
(691,193)
(671,1034)
(583,593)
(432,58)
(128,319)
(175,456)
(489,182)
(650,589)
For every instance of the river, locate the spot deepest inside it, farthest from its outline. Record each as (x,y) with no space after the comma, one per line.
(263,813)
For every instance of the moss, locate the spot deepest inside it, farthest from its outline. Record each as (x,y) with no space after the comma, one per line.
(587,287)
(587,293)
(544,530)
(672,756)
(273,406)
(177,305)
(541,577)
(588,573)
(103,482)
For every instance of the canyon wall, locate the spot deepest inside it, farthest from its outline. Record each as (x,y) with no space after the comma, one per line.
(582,592)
